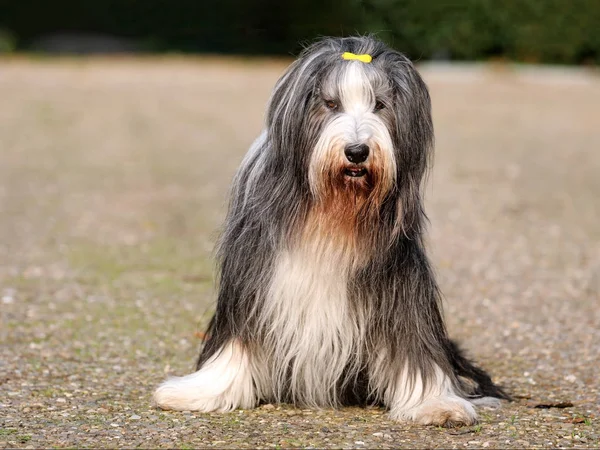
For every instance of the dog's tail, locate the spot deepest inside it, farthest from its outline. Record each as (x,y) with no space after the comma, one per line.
(474,380)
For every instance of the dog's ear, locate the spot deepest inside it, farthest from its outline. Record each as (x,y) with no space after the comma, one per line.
(287,106)
(413,139)
(292,98)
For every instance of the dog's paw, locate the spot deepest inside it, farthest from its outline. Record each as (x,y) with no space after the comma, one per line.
(172,396)
(449,411)
(176,394)
(224,383)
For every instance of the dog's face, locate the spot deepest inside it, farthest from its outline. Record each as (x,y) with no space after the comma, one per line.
(353,106)
(357,133)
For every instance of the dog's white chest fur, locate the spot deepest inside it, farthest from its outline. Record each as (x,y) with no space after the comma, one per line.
(311,329)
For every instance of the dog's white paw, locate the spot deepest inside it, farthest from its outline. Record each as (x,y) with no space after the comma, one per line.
(445,411)
(180,395)
(222,384)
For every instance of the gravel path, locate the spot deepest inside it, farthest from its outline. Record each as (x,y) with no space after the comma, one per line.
(113,176)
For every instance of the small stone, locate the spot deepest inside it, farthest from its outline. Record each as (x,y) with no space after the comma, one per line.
(387,437)
(359,442)
(571,378)
(61,400)
(268,406)
(378,434)
(135,417)
(114,425)
(485,444)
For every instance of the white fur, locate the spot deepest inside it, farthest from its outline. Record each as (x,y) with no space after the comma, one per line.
(447,410)
(434,404)
(222,384)
(311,329)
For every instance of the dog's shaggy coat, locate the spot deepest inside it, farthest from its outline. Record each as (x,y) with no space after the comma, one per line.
(326,296)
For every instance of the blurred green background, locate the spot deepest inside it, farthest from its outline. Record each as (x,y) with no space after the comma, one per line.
(533,31)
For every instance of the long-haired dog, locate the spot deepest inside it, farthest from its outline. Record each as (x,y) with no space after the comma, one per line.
(326,296)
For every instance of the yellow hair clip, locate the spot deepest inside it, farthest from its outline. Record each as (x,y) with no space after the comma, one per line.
(363,58)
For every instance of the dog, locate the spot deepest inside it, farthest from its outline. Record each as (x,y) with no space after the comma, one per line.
(326,296)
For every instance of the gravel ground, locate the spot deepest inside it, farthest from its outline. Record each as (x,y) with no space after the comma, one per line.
(113,177)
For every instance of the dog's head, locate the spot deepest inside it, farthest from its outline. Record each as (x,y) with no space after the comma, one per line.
(352,117)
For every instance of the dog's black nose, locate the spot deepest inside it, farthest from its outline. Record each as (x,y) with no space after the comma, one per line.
(357,153)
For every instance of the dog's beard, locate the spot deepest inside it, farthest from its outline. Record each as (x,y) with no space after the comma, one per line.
(347,197)
(348,190)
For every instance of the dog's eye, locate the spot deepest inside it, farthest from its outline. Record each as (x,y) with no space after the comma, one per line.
(379,105)
(331,104)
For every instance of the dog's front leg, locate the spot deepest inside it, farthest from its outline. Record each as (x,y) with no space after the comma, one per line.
(222,383)
(428,399)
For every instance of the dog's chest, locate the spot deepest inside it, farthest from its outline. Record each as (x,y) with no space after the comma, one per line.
(312,331)
(310,288)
